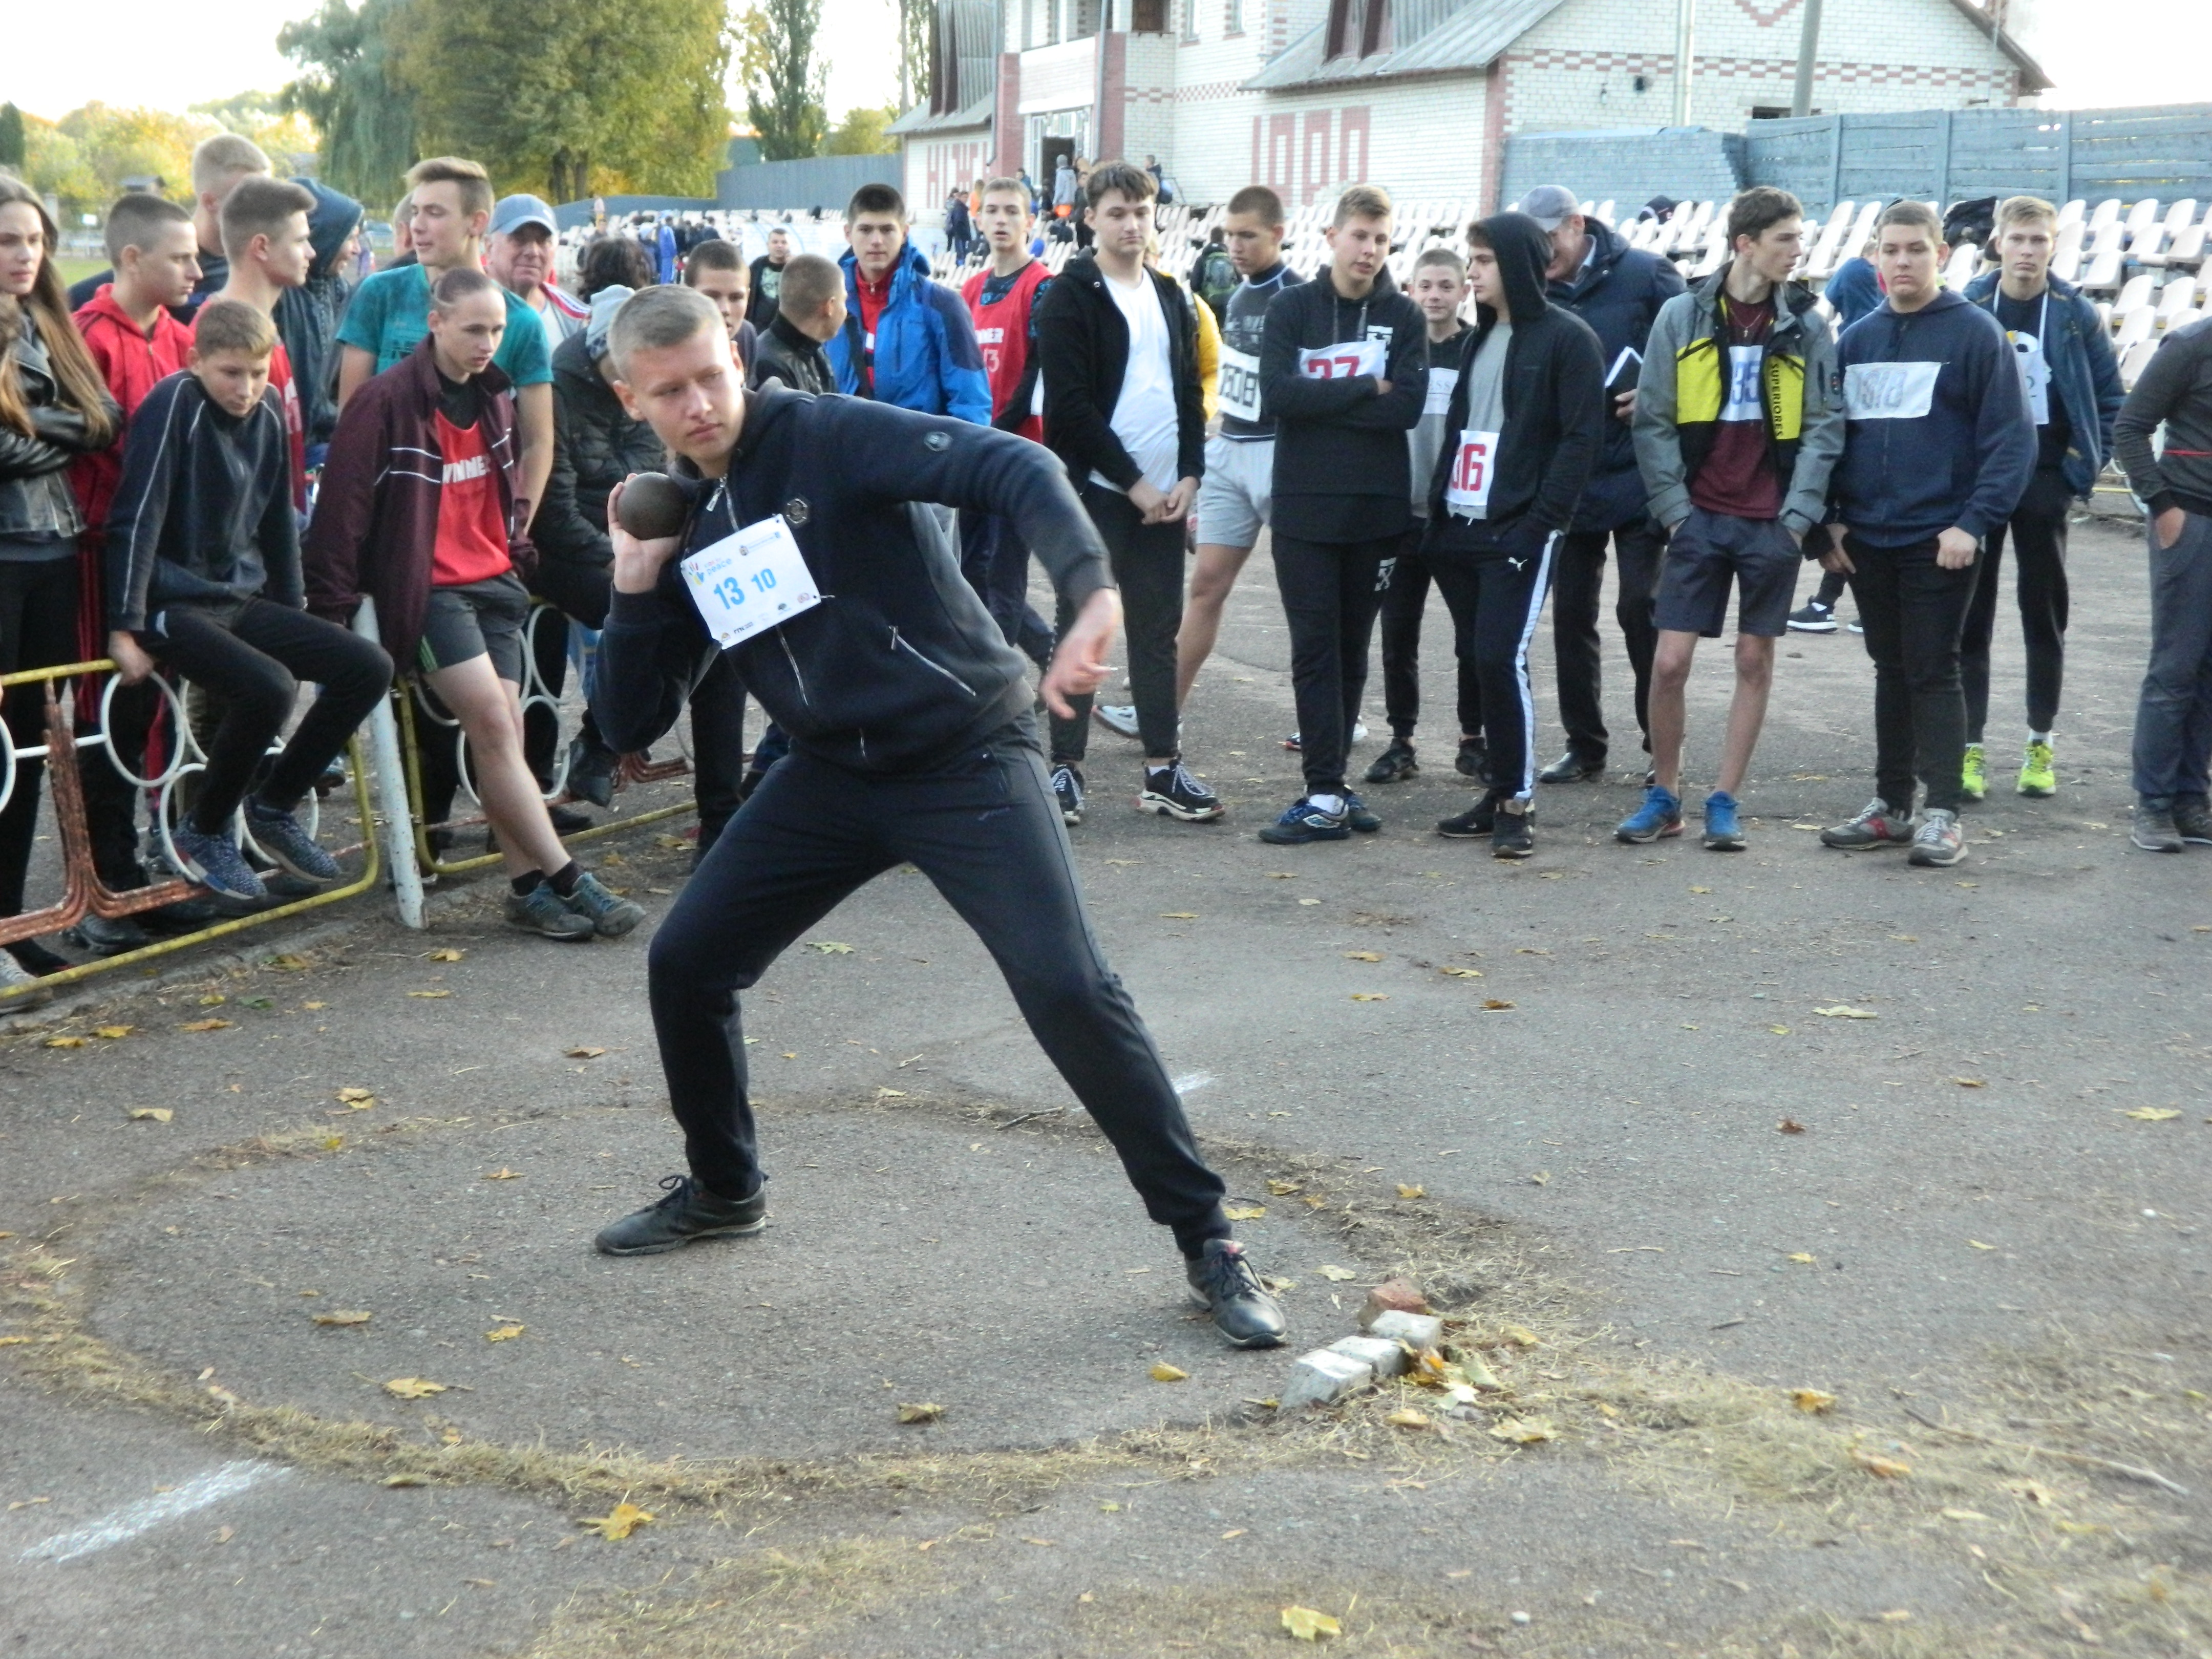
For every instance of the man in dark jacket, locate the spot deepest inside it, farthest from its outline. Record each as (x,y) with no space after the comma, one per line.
(1523,434)
(1118,341)
(596,444)
(1617,291)
(308,316)
(2072,380)
(767,279)
(1937,450)
(807,316)
(1344,372)
(912,741)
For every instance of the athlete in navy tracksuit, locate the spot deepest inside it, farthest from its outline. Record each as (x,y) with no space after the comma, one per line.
(912,741)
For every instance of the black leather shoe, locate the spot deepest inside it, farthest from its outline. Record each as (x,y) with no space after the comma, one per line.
(1223,1282)
(1477,821)
(1395,764)
(1572,768)
(690,1211)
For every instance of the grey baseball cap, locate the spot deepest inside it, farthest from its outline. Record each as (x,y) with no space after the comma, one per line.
(605,304)
(1550,205)
(511,213)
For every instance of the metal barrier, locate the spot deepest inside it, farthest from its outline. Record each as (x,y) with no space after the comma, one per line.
(397,778)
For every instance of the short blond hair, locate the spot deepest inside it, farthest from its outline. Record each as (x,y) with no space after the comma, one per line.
(2024,209)
(1362,201)
(233,325)
(221,161)
(475,183)
(654,318)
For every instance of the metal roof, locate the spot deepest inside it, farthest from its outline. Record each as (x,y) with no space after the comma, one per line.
(919,119)
(1469,39)
(2032,79)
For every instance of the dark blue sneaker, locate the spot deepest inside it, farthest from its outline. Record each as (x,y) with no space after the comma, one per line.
(1302,822)
(1357,815)
(289,847)
(1723,834)
(215,863)
(1660,815)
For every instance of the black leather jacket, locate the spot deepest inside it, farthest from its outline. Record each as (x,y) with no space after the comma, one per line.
(35,497)
(596,445)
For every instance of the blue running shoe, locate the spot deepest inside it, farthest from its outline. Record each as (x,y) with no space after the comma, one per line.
(1723,834)
(215,863)
(1660,815)
(1302,822)
(1357,815)
(288,847)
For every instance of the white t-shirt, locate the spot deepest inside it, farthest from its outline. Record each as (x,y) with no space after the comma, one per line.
(1145,417)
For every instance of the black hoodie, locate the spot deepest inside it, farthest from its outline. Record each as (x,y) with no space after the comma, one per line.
(1554,407)
(1341,469)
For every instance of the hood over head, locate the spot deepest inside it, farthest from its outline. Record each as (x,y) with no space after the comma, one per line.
(1524,249)
(332,219)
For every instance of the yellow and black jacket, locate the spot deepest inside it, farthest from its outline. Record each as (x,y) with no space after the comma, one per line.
(1684,384)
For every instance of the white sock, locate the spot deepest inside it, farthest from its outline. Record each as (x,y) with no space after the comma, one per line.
(1332,804)
(2038,736)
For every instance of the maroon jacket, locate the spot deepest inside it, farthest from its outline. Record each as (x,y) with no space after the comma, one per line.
(376,513)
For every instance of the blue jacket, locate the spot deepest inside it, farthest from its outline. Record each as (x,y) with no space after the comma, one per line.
(926,357)
(665,253)
(1854,290)
(2084,373)
(1618,292)
(1936,426)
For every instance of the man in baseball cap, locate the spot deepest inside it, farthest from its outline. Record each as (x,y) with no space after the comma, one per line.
(1617,291)
(519,255)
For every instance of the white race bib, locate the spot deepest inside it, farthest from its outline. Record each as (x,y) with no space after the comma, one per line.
(1343,361)
(1474,464)
(753,579)
(1744,398)
(1238,388)
(1889,391)
(2034,376)
(1440,384)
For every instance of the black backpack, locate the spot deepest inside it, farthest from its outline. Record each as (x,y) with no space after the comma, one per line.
(1213,278)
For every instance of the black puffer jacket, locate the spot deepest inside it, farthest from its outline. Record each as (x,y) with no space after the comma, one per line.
(596,445)
(35,497)
(1618,292)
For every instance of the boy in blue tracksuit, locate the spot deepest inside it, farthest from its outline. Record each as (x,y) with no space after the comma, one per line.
(907,339)
(2071,378)
(1937,450)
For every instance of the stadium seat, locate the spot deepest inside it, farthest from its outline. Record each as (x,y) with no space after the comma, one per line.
(2176,297)
(2071,213)
(2106,212)
(2066,261)
(2136,360)
(2140,290)
(2141,217)
(2104,272)
(1964,263)
(2137,327)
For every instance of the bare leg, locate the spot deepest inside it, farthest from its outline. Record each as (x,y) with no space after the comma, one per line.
(1754,676)
(1211,576)
(489,710)
(1670,672)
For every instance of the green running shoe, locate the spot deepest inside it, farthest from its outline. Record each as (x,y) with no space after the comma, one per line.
(1974,776)
(2037,777)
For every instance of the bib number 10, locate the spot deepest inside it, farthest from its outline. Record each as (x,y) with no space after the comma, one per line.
(732,592)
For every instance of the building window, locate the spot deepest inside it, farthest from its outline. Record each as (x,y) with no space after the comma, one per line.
(1148,16)
(1358,28)
(1235,20)
(1191,21)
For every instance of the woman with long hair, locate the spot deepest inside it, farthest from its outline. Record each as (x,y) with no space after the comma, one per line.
(53,406)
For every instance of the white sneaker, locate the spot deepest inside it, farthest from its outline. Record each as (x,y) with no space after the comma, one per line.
(1119,718)
(1359,735)
(13,973)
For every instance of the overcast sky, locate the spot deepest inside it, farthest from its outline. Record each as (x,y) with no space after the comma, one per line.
(2100,52)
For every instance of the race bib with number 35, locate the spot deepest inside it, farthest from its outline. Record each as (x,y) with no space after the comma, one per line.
(748,581)
(1474,464)
(1344,361)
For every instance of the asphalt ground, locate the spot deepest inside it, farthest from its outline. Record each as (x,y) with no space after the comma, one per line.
(1967,1239)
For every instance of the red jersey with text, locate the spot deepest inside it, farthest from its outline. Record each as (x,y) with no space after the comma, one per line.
(1738,477)
(1002,310)
(471,545)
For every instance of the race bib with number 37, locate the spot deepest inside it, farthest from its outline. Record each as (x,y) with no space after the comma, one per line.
(1474,464)
(748,581)
(1344,361)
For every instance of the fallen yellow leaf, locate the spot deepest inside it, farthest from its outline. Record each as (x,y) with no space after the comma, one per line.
(1371,996)
(1309,901)
(1812,1400)
(1460,973)
(1362,955)
(1779,1030)
(429,996)
(1243,1212)
(1970,1082)
(1282,1188)
(1964,1514)
(1404,1191)
(1801,1258)
(926,1411)
(1338,1275)
(413,1387)
(113,1032)
(505,1333)
(1842,1012)
(205,1025)
(586,1054)
(1406,1417)
(315,1005)
(1309,1626)
(1885,1468)
(1494,1004)
(1701,889)
(504,1174)
(445,953)
(405,1480)
(1978,1245)
(1520,1336)
(2152,1113)
(618,1523)
(212,999)
(1163,1372)
(1523,1431)
(288,963)
(151,1114)
(1178,915)
(342,1317)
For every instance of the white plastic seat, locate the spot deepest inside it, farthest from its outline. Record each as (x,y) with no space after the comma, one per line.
(2138,325)
(1965,260)
(2071,213)
(2105,213)
(2135,360)
(2188,248)
(2140,289)
(2066,259)
(2141,216)
(2177,297)
(2104,272)
(2183,318)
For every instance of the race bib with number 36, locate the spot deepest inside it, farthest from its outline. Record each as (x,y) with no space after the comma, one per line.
(748,581)
(1344,361)
(1474,464)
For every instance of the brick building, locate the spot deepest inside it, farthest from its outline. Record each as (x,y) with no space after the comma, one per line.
(1309,95)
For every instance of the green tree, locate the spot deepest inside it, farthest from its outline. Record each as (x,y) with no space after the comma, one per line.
(53,164)
(286,134)
(350,90)
(586,96)
(12,149)
(117,144)
(785,87)
(861,133)
(914,18)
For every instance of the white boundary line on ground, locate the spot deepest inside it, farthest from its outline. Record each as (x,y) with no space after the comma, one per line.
(132,1519)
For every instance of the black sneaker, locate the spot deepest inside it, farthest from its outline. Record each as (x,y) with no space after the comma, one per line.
(1357,814)
(1813,617)
(107,935)
(567,820)
(1508,836)
(1395,764)
(1472,759)
(1172,793)
(1221,1281)
(591,769)
(2193,819)
(1572,768)
(688,1212)
(1067,789)
(1477,821)
(2155,831)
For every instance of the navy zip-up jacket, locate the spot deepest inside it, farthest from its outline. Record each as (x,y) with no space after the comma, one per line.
(1618,292)
(1935,428)
(900,666)
(2084,373)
